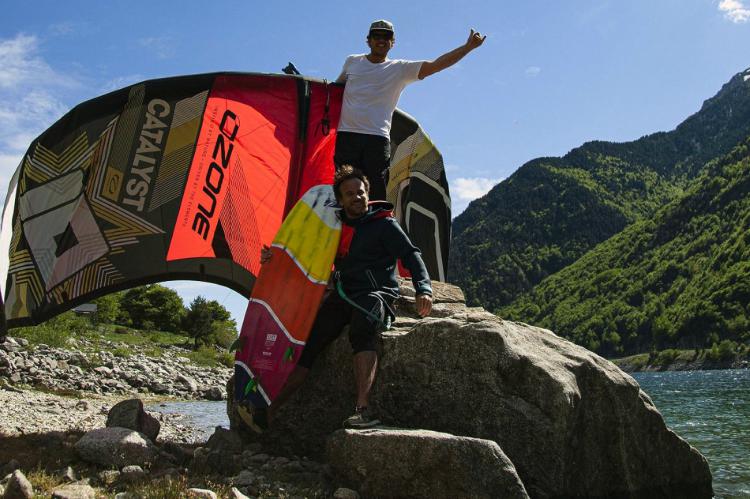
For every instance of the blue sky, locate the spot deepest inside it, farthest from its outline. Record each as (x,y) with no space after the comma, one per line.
(550,76)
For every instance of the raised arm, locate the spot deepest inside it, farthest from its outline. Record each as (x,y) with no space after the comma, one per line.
(450,58)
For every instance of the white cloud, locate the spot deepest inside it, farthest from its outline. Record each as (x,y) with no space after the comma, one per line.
(62,29)
(735,11)
(163,47)
(28,102)
(19,63)
(469,189)
(533,71)
(464,190)
(122,81)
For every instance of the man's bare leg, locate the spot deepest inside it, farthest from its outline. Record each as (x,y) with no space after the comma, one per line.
(365,365)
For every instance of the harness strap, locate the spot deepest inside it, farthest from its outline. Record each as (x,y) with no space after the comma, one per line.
(384,324)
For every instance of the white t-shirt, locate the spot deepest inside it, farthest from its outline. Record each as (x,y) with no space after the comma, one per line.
(372,92)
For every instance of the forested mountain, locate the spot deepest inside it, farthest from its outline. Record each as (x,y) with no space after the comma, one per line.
(552,211)
(679,279)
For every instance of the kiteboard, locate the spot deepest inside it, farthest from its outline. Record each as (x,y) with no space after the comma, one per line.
(286,297)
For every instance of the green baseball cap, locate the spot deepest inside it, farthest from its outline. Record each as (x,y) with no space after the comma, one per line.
(382,25)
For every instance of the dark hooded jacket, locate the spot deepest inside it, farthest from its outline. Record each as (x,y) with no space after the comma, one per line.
(368,253)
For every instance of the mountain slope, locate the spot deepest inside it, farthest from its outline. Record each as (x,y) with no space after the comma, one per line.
(553,210)
(680,279)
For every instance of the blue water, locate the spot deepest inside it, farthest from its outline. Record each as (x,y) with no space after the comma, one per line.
(205,416)
(711,410)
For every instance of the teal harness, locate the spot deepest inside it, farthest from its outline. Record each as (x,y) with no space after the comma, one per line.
(382,325)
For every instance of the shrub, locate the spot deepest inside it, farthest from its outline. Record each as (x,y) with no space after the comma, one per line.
(205,356)
(666,357)
(727,350)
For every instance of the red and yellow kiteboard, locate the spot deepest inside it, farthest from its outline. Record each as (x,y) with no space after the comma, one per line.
(286,297)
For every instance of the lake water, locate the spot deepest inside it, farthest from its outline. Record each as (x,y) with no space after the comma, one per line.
(709,409)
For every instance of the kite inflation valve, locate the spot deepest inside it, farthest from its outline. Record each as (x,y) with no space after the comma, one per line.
(290,69)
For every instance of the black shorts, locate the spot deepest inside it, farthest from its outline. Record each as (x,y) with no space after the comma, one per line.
(334,314)
(369,153)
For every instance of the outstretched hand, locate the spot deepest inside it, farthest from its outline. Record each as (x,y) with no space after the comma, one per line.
(475,40)
(423,304)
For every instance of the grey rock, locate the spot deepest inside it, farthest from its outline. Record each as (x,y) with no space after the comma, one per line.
(245,478)
(18,487)
(213,393)
(103,371)
(74,491)
(225,441)
(572,423)
(208,494)
(132,474)
(189,383)
(344,493)
(160,388)
(259,458)
(130,414)
(414,462)
(127,495)
(68,474)
(108,477)
(116,446)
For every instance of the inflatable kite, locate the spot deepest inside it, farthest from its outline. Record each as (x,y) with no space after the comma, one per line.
(187,178)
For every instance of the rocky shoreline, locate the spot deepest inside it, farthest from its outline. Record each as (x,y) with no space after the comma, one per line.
(463,386)
(51,398)
(629,365)
(94,369)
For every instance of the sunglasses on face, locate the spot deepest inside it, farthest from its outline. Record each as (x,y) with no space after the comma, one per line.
(381,36)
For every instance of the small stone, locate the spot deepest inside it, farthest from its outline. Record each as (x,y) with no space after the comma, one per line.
(108,477)
(245,478)
(209,494)
(225,441)
(68,474)
(74,491)
(214,393)
(83,405)
(126,495)
(344,493)
(132,473)
(259,458)
(294,467)
(18,487)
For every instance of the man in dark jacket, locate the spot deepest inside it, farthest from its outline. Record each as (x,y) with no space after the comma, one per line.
(365,287)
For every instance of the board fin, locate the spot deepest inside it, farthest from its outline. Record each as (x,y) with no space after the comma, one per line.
(237,344)
(251,386)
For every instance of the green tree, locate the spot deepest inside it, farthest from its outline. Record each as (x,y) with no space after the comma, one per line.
(154,305)
(198,321)
(108,308)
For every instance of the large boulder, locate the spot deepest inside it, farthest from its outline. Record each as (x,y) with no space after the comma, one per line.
(116,447)
(130,414)
(572,423)
(422,463)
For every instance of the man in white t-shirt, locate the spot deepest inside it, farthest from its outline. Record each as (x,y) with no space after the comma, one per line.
(373,87)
